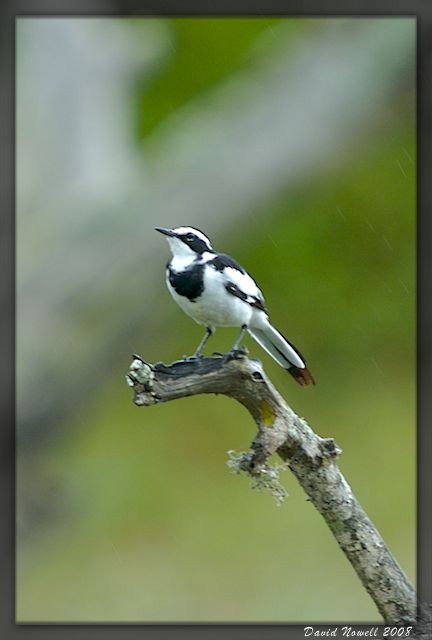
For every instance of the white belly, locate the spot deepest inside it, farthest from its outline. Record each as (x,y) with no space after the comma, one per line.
(216,307)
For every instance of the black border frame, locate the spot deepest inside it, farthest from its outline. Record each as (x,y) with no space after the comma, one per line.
(422,10)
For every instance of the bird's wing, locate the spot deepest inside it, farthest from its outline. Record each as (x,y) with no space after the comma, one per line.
(254,301)
(238,282)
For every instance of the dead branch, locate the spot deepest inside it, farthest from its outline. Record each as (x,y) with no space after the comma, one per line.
(312,460)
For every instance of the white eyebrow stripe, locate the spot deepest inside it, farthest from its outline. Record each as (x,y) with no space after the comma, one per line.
(198,234)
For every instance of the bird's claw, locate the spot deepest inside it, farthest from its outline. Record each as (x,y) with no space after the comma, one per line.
(234,354)
(192,358)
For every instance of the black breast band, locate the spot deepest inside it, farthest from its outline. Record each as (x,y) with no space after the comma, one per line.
(188,283)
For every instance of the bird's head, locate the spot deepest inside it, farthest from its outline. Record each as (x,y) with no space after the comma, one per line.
(186,241)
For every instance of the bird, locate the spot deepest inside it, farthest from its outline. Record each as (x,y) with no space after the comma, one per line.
(216,291)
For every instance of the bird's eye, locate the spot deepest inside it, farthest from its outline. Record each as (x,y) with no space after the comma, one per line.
(189,237)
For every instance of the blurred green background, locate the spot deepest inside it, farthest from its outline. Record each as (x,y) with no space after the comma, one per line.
(291,142)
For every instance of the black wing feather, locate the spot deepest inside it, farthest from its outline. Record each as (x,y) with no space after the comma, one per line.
(221,261)
(254,301)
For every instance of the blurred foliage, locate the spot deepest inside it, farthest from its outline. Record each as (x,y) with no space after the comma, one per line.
(202,53)
(148,524)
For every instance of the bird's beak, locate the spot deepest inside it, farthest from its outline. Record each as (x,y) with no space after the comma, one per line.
(165,231)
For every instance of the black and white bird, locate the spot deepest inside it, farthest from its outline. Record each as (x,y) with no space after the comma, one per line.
(216,291)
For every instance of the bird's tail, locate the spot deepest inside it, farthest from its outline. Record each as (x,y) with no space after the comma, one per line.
(283,352)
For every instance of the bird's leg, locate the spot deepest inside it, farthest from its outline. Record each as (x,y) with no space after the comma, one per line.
(236,346)
(208,333)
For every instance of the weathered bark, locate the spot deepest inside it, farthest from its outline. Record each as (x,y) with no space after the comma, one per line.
(311,458)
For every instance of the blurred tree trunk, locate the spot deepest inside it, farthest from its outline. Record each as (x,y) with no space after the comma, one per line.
(88,199)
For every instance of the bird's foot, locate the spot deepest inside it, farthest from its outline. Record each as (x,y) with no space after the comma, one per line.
(235,354)
(196,356)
